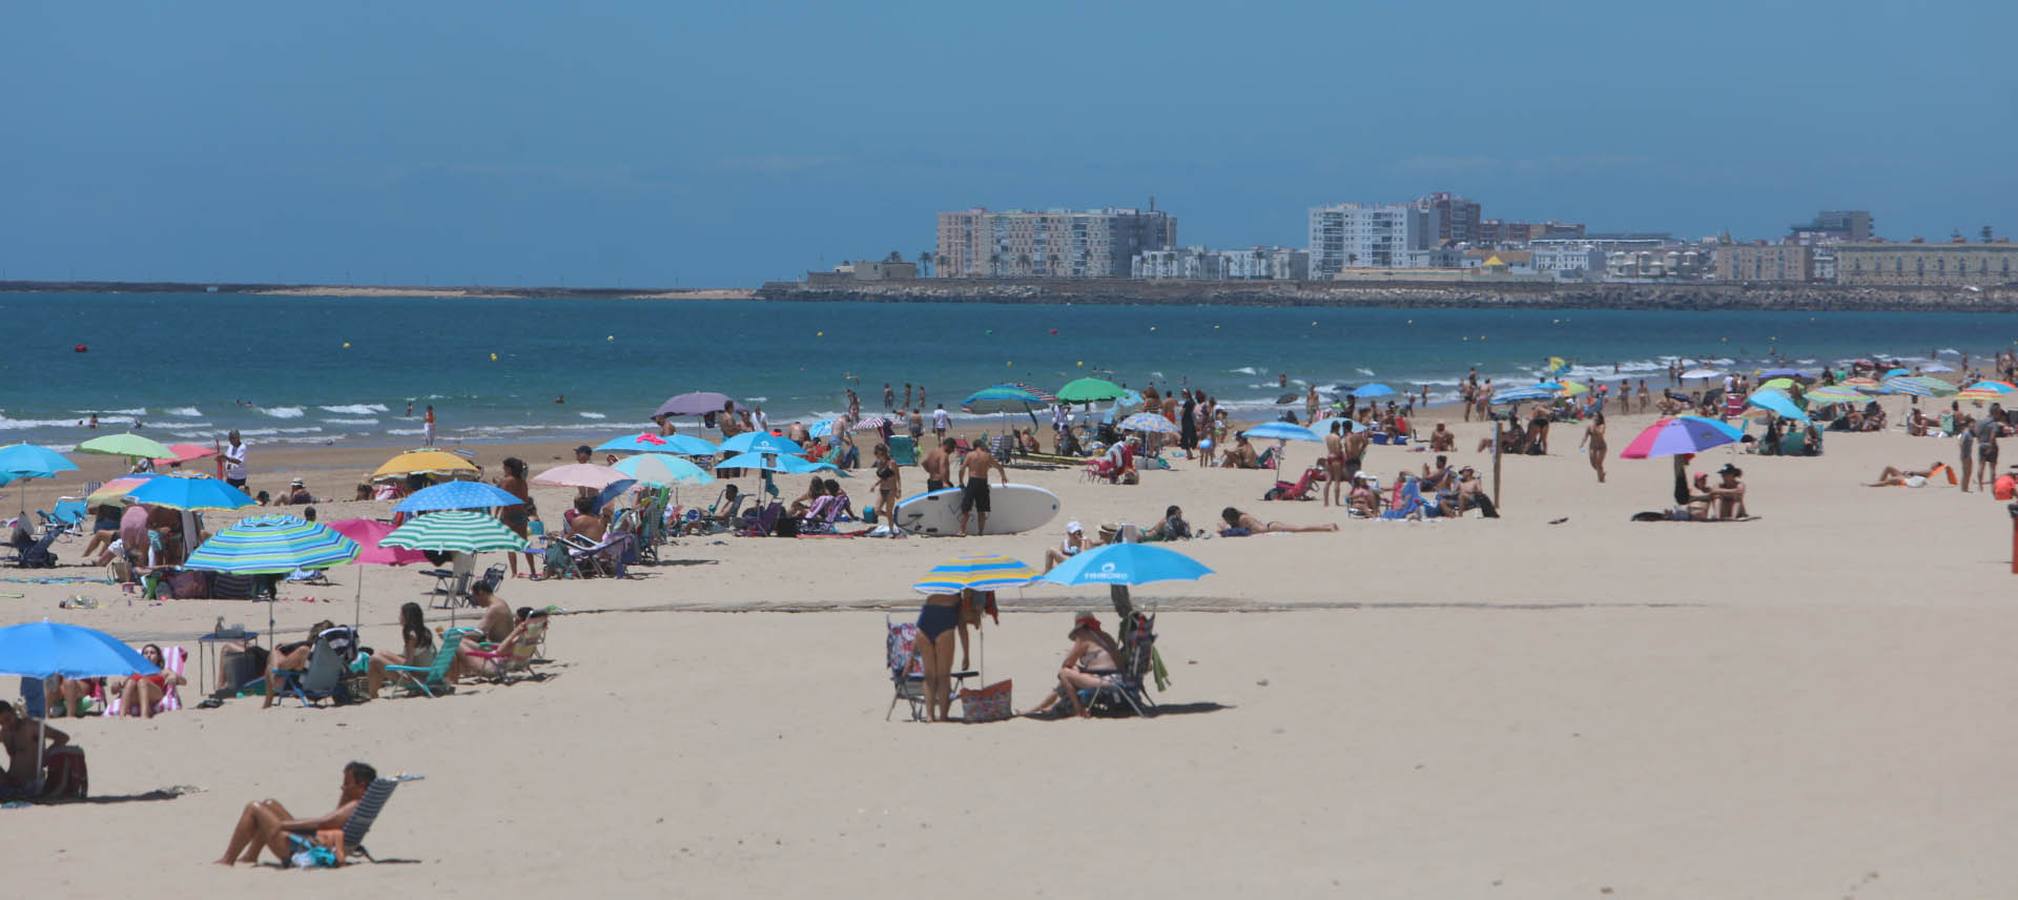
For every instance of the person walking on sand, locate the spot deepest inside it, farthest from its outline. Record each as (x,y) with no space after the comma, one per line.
(1594,437)
(974,496)
(1986,446)
(940,421)
(234,460)
(427,426)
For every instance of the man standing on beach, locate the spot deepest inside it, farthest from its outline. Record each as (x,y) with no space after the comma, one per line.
(940,421)
(889,398)
(938,466)
(914,425)
(974,495)
(907,393)
(427,426)
(234,461)
(761,421)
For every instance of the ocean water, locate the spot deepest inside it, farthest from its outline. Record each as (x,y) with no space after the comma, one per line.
(313,370)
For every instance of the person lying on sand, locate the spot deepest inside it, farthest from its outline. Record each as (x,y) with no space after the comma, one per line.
(1240,524)
(267,825)
(1093,659)
(1894,477)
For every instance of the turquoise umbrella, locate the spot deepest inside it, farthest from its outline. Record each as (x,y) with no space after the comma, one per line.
(680,444)
(661,469)
(187,492)
(273,545)
(760,442)
(1778,404)
(31,461)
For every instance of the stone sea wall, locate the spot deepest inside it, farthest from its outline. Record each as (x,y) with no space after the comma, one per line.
(1473,295)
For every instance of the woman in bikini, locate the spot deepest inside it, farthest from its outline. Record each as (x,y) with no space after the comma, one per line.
(1094,658)
(140,693)
(889,484)
(518,518)
(1594,436)
(418,650)
(1334,463)
(937,620)
(1240,524)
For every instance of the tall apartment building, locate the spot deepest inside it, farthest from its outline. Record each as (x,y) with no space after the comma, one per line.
(1458,218)
(1765,262)
(1362,235)
(1835,225)
(1100,243)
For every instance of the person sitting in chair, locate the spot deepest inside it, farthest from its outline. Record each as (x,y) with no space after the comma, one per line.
(266,825)
(1093,659)
(20,747)
(1075,541)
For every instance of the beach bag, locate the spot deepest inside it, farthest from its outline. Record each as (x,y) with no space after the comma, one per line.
(325,852)
(989,704)
(66,778)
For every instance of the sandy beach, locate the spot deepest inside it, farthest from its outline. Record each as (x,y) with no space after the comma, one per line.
(1557,703)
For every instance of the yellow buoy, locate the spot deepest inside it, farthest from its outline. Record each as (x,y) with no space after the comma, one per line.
(493,357)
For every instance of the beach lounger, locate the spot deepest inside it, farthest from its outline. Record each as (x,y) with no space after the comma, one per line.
(37,555)
(355,827)
(591,558)
(433,677)
(322,680)
(522,656)
(903,450)
(1299,490)
(1126,689)
(173,659)
(761,522)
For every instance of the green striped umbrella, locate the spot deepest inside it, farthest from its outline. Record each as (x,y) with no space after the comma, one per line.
(459,530)
(273,545)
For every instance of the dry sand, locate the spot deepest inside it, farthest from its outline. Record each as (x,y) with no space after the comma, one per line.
(1815,704)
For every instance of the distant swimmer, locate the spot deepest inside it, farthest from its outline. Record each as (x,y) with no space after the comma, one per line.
(560,398)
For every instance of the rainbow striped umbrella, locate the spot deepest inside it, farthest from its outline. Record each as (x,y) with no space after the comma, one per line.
(1828,394)
(1681,434)
(459,530)
(978,573)
(273,545)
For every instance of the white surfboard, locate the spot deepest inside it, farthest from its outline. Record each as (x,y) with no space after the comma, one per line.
(1015,508)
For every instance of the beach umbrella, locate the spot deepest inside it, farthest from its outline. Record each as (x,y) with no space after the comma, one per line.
(368,533)
(182,453)
(1282,431)
(425,462)
(38,650)
(1574,388)
(456,530)
(822,428)
(1001,398)
(1777,403)
(1126,564)
(773,462)
(456,495)
(1151,422)
(1860,381)
(697,403)
(273,545)
(975,573)
(1777,384)
(1701,373)
(127,444)
(663,470)
(1831,393)
(32,461)
(1372,389)
(872,423)
(1523,394)
(1091,390)
(579,475)
(1784,373)
(1680,434)
(1995,387)
(678,444)
(1897,372)
(109,493)
(760,442)
(612,491)
(1912,384)
(1905,386)
(1043,396)
(187,492)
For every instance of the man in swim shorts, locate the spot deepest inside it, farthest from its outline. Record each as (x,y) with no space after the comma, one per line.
(974,496)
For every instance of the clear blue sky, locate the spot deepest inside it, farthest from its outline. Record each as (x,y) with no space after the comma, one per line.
(722,144)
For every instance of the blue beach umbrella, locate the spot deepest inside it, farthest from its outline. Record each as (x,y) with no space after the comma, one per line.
(1126,564)
(1282,431)
(42,649)
(760,442)
(457,495)
(677,444)
(273,545)
(187,492)
(662,469)
(32,461)
(1373,389)
(1001,398)
(774,462)
(1778,404)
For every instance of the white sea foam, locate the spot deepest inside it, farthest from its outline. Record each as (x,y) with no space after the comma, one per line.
(404,431)
(283,412)
(592,415)
(136,411)
(187,412)
(7,424)
(1247,370)
(350,421)
(356,409)
(1364,371)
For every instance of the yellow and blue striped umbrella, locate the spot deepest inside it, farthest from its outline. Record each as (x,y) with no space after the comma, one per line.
(979,573)
(273,545)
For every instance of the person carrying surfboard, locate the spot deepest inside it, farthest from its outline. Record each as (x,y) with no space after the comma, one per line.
(974,495)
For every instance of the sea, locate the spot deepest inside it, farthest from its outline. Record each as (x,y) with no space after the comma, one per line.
(362,370)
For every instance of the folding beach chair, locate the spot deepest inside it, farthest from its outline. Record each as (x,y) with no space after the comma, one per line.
(322,680)
(433,677)
(359,824)
(173,659)
(903,450)
(907,668)
(1126,688)
(519,661)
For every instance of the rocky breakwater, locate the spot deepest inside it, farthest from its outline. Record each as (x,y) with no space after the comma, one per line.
(1471,295)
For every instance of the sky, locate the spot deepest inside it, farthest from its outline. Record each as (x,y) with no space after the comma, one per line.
(692,145)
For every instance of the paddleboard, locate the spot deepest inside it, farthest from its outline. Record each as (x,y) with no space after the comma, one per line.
(1016,508)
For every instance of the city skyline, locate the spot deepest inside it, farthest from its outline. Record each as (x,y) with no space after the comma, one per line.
(459,143)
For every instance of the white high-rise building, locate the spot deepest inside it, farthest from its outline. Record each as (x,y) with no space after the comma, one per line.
(1369,235)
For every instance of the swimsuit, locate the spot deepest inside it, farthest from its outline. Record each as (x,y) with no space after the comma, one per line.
(935,620)
(975,497)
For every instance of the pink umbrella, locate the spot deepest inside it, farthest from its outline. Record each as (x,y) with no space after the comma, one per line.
(580,475)
(186,452)
(367,532)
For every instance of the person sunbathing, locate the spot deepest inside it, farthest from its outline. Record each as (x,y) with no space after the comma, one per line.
(1442,440)
(1729,493)
(1172,528)
(492,660)
(1895,477)
(417,648)
(21,750)
(1240,524)
(1075,541)
(1093,660)
(1362,501)
(815,489)
(496,624)
(267,825)
(290,657)
(139,694)
(1241,455)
